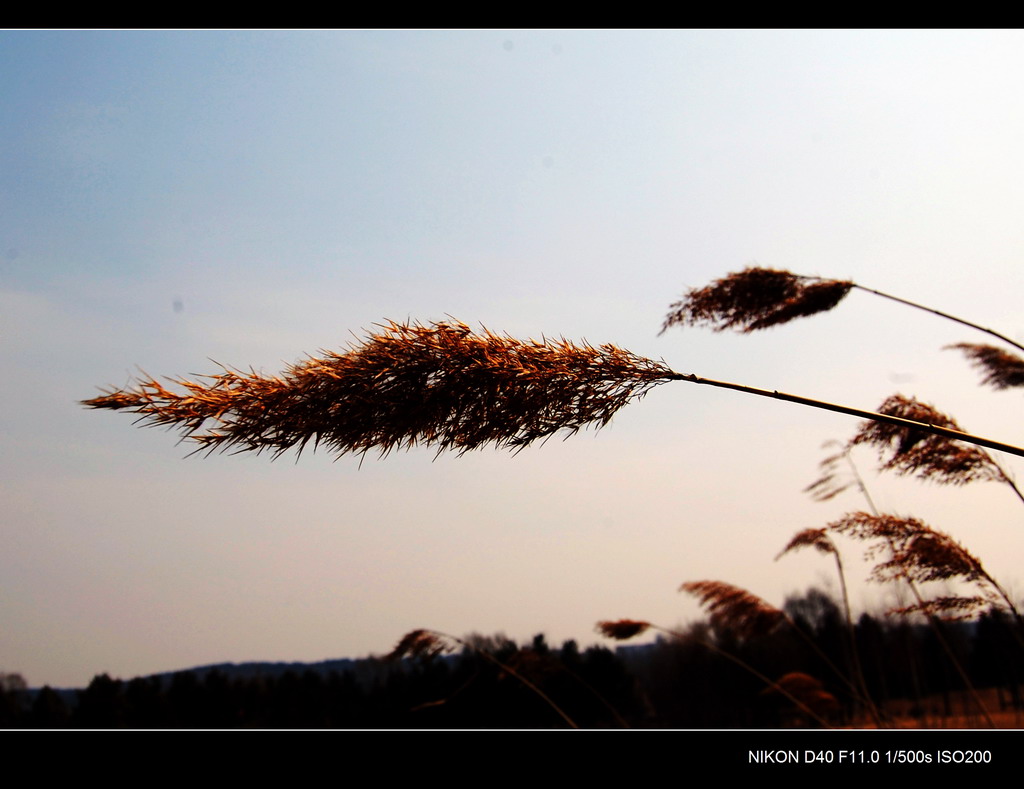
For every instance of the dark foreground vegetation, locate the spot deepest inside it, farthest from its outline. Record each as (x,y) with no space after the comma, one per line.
(676,682)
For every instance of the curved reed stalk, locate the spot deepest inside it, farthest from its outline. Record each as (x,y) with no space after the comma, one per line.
(890,419)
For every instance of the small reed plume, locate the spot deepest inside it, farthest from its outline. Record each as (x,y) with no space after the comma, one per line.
(422,644)
(1002,370)
(623,629)
(810,538)
(829,484)
(834,479)
(756,298)
(734,609)
(431,643)
(440,385)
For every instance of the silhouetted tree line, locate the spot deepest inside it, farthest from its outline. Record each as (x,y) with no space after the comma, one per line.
(677,682)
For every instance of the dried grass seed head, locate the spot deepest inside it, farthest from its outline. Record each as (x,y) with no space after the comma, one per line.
(1002,370)
(734,609)
(810,538)
(756,298)
(440,385)
(907,450)
(831,482)
(622,629)
(918,553)
(420,643)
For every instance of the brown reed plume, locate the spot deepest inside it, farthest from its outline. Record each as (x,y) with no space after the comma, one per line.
(758,298)
(422,644)
(734,609)
(929,456)
(428,644)
(623,629)
(755,298)
(1002,370)
(917,553)
(440,385)
(810,538)
(911,451)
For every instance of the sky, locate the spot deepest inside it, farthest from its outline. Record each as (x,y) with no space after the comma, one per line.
(171,201)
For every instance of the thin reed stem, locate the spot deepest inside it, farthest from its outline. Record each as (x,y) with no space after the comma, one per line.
(940,313)
(842,409)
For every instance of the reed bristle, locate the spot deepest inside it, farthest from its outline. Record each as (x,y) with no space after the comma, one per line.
(440,385)
(735,609)
(1003,370)
(829,485)
(756,298)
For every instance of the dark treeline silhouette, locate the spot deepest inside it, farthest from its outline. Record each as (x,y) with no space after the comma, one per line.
(676,682)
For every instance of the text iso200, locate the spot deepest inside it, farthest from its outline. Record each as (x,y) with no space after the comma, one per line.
(964,757)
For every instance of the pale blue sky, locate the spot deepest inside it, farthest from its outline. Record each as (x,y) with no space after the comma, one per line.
(168,198)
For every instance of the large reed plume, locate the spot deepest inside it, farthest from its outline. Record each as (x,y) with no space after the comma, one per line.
(440,385)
